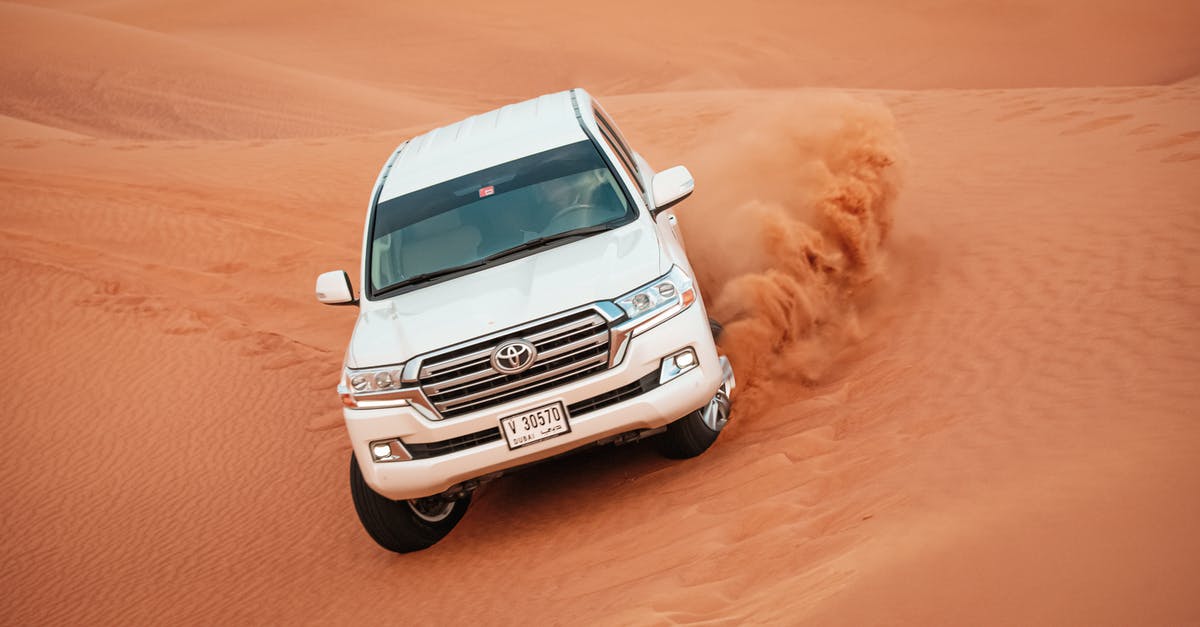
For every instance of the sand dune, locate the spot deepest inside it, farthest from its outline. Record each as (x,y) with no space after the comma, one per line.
(115,80)
(986,416)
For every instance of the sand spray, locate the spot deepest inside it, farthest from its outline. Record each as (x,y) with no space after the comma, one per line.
(787,233)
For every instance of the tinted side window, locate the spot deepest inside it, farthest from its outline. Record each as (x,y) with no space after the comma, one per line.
(614,138)
(623,161)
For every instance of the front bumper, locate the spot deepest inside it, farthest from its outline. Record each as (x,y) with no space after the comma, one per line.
(649,410)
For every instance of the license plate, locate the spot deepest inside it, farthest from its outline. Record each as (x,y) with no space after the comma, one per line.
(535,425)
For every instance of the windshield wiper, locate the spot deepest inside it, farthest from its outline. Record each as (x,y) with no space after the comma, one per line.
(531,244)
(429,276)
(549,239)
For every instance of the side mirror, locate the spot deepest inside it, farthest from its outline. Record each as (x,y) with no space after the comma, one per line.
(671,186)
(333,288)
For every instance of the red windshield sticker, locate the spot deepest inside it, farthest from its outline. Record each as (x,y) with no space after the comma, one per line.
(484,192)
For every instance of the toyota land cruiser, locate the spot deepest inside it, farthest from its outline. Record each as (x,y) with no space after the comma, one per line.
(525,293)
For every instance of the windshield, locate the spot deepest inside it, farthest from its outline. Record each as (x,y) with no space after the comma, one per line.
(476,218)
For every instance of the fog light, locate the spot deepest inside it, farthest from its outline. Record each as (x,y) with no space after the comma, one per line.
(389,451)
(677,364)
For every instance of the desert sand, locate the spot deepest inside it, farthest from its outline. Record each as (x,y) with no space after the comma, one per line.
(955,245)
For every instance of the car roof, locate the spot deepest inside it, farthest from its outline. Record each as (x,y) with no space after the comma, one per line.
(481,141)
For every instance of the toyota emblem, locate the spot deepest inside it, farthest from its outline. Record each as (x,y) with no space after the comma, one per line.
(513,356)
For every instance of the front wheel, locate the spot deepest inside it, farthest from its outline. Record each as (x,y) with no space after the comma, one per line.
(403,526)
(694,433)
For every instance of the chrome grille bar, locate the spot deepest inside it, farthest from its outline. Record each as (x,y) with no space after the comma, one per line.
(482,355)
(586,323)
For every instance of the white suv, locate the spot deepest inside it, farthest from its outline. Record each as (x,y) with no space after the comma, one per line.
(526,294)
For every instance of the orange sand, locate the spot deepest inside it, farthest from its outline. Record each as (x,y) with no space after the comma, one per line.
(987,417)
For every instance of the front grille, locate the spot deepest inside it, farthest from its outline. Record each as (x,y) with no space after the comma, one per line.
(453,445)
(569,348)
(612,397)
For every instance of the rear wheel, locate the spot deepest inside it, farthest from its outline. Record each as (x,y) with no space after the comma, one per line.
(717,328)
(403,526)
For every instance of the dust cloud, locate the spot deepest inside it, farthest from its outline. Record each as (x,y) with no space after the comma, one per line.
(787,238)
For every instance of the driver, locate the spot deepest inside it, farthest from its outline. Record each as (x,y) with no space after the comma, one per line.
(567,201)
(560,193)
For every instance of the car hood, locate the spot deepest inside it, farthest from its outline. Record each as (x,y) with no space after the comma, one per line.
(600,267)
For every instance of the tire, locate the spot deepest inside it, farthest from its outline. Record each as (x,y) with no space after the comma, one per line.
(403,526)
(686,438)
(694,433)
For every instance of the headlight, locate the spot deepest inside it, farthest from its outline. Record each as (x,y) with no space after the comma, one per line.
(358,385)
(651,304)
